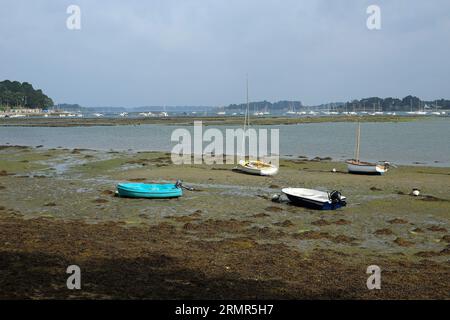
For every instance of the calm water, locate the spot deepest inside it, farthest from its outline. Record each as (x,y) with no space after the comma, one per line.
(424,142)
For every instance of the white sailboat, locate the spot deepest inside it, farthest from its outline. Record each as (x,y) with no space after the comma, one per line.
(360,167)
(291,110)
(256,167)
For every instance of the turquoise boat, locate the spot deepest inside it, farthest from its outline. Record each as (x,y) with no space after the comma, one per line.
(153,191)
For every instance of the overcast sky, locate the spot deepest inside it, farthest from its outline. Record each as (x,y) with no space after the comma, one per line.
(197,52)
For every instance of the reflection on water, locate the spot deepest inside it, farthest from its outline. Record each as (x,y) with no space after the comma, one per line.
(417,142)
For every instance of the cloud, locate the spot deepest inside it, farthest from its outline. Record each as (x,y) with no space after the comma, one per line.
(186,52)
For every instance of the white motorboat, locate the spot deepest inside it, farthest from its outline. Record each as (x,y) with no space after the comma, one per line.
(315,199)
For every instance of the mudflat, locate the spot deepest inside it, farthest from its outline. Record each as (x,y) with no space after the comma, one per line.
(226,239)
(189,120)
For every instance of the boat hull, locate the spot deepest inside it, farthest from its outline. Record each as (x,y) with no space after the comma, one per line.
(313,202)
(150,191)
(366,168)
(269,170)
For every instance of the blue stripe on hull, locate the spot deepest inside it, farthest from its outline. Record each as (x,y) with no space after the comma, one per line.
(130,194)
(366,173)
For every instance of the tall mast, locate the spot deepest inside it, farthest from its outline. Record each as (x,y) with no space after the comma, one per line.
(358,138)
(248,107)
(246,120)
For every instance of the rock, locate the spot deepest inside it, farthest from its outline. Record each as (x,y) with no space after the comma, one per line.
(276,198)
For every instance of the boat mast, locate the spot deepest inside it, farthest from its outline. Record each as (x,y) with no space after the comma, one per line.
(246,120)
(358,138)
(248,107)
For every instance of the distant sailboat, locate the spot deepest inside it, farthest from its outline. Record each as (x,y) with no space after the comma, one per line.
(291,110)
(359,167)
(222,112)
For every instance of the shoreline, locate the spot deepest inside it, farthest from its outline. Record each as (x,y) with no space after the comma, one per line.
(187,120)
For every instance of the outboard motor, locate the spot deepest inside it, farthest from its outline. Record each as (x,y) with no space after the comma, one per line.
(335,196)
(178,184)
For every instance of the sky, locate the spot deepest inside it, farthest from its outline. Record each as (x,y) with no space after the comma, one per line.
(198,52)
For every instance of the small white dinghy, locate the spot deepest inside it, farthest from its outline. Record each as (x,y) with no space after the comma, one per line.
(360,167)
(315,199)
(257,167)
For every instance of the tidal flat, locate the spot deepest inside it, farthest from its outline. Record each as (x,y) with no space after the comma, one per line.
(226,239)
(189,120)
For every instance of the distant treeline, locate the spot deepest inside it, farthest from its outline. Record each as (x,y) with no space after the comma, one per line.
(367,104)
(266,105)
(408,103)
(22,95)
